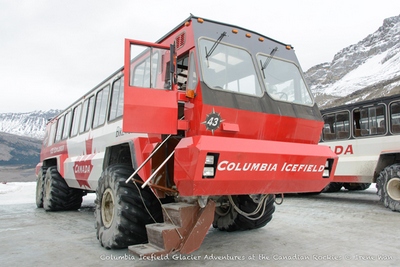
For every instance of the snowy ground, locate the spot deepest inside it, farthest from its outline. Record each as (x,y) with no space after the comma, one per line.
(17,193)
(336,229)
(24,193)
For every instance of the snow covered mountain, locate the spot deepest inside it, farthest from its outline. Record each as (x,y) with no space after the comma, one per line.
(30,124)
(366,70)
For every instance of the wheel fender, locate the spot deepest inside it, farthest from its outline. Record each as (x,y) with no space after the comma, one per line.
(386,159)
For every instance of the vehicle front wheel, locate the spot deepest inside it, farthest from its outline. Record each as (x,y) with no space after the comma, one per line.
(388,187)
(123,210)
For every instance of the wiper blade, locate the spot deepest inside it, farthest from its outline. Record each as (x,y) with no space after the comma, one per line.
(268,60)
(208,54)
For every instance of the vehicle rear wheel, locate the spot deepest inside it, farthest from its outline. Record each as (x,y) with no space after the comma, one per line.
(356,186)
(332,187)
(122,210)
(388,187)
(228,218)
(57,195)
(39,187)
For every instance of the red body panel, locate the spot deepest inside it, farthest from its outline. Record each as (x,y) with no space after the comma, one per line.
(250,166)
(253,125)
(149,110)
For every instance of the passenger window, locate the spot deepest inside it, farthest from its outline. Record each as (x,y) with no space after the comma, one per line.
(53,128)
(67,122)
(369,121)
(395,117)
(101,107)
(60,124)
(87,114)
(337,126)
(117,99)
(76,114)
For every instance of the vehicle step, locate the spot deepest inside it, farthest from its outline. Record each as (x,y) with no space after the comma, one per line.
(158,232)
(180,214)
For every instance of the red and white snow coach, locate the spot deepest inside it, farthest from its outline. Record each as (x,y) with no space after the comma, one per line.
(202,127)
(366,137)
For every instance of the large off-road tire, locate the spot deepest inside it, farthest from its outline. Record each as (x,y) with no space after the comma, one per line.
(122,210)
(388,187)
(356,186)
(228,219)
(57,195)
(39,187)
(332,187)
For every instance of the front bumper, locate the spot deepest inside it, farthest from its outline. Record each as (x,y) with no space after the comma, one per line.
(246,166)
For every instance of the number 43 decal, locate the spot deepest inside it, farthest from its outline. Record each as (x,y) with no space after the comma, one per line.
(213,121)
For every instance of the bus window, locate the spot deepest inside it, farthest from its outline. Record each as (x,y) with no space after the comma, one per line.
(369,121)
(75,120)
(60,124)
(101,107)
(87,114)
(117,99)
(337,126)
(67,123)
(395,117)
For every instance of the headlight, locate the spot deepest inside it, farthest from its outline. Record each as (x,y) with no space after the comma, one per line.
(208,172)
(209,160)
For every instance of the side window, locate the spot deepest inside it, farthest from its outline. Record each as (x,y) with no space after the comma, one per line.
(192,79)
(53,128)
(395,117)
(101,107)
(369,121)
(87,114)
(59,131)
(117,99)
(76,114)
(67,123)
(336,126)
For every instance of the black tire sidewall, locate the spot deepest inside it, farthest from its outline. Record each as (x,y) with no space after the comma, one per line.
(131,209)
(40,188)
(384,177)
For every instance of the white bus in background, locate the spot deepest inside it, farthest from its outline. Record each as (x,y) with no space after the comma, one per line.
(366,137)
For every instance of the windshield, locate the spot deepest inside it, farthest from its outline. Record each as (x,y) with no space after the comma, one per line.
(228,68)
(284,81)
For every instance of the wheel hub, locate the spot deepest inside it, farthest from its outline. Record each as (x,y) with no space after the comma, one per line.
(107,208)
(393,188)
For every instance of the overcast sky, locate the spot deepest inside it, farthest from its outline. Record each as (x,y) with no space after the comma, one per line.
(54,51)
